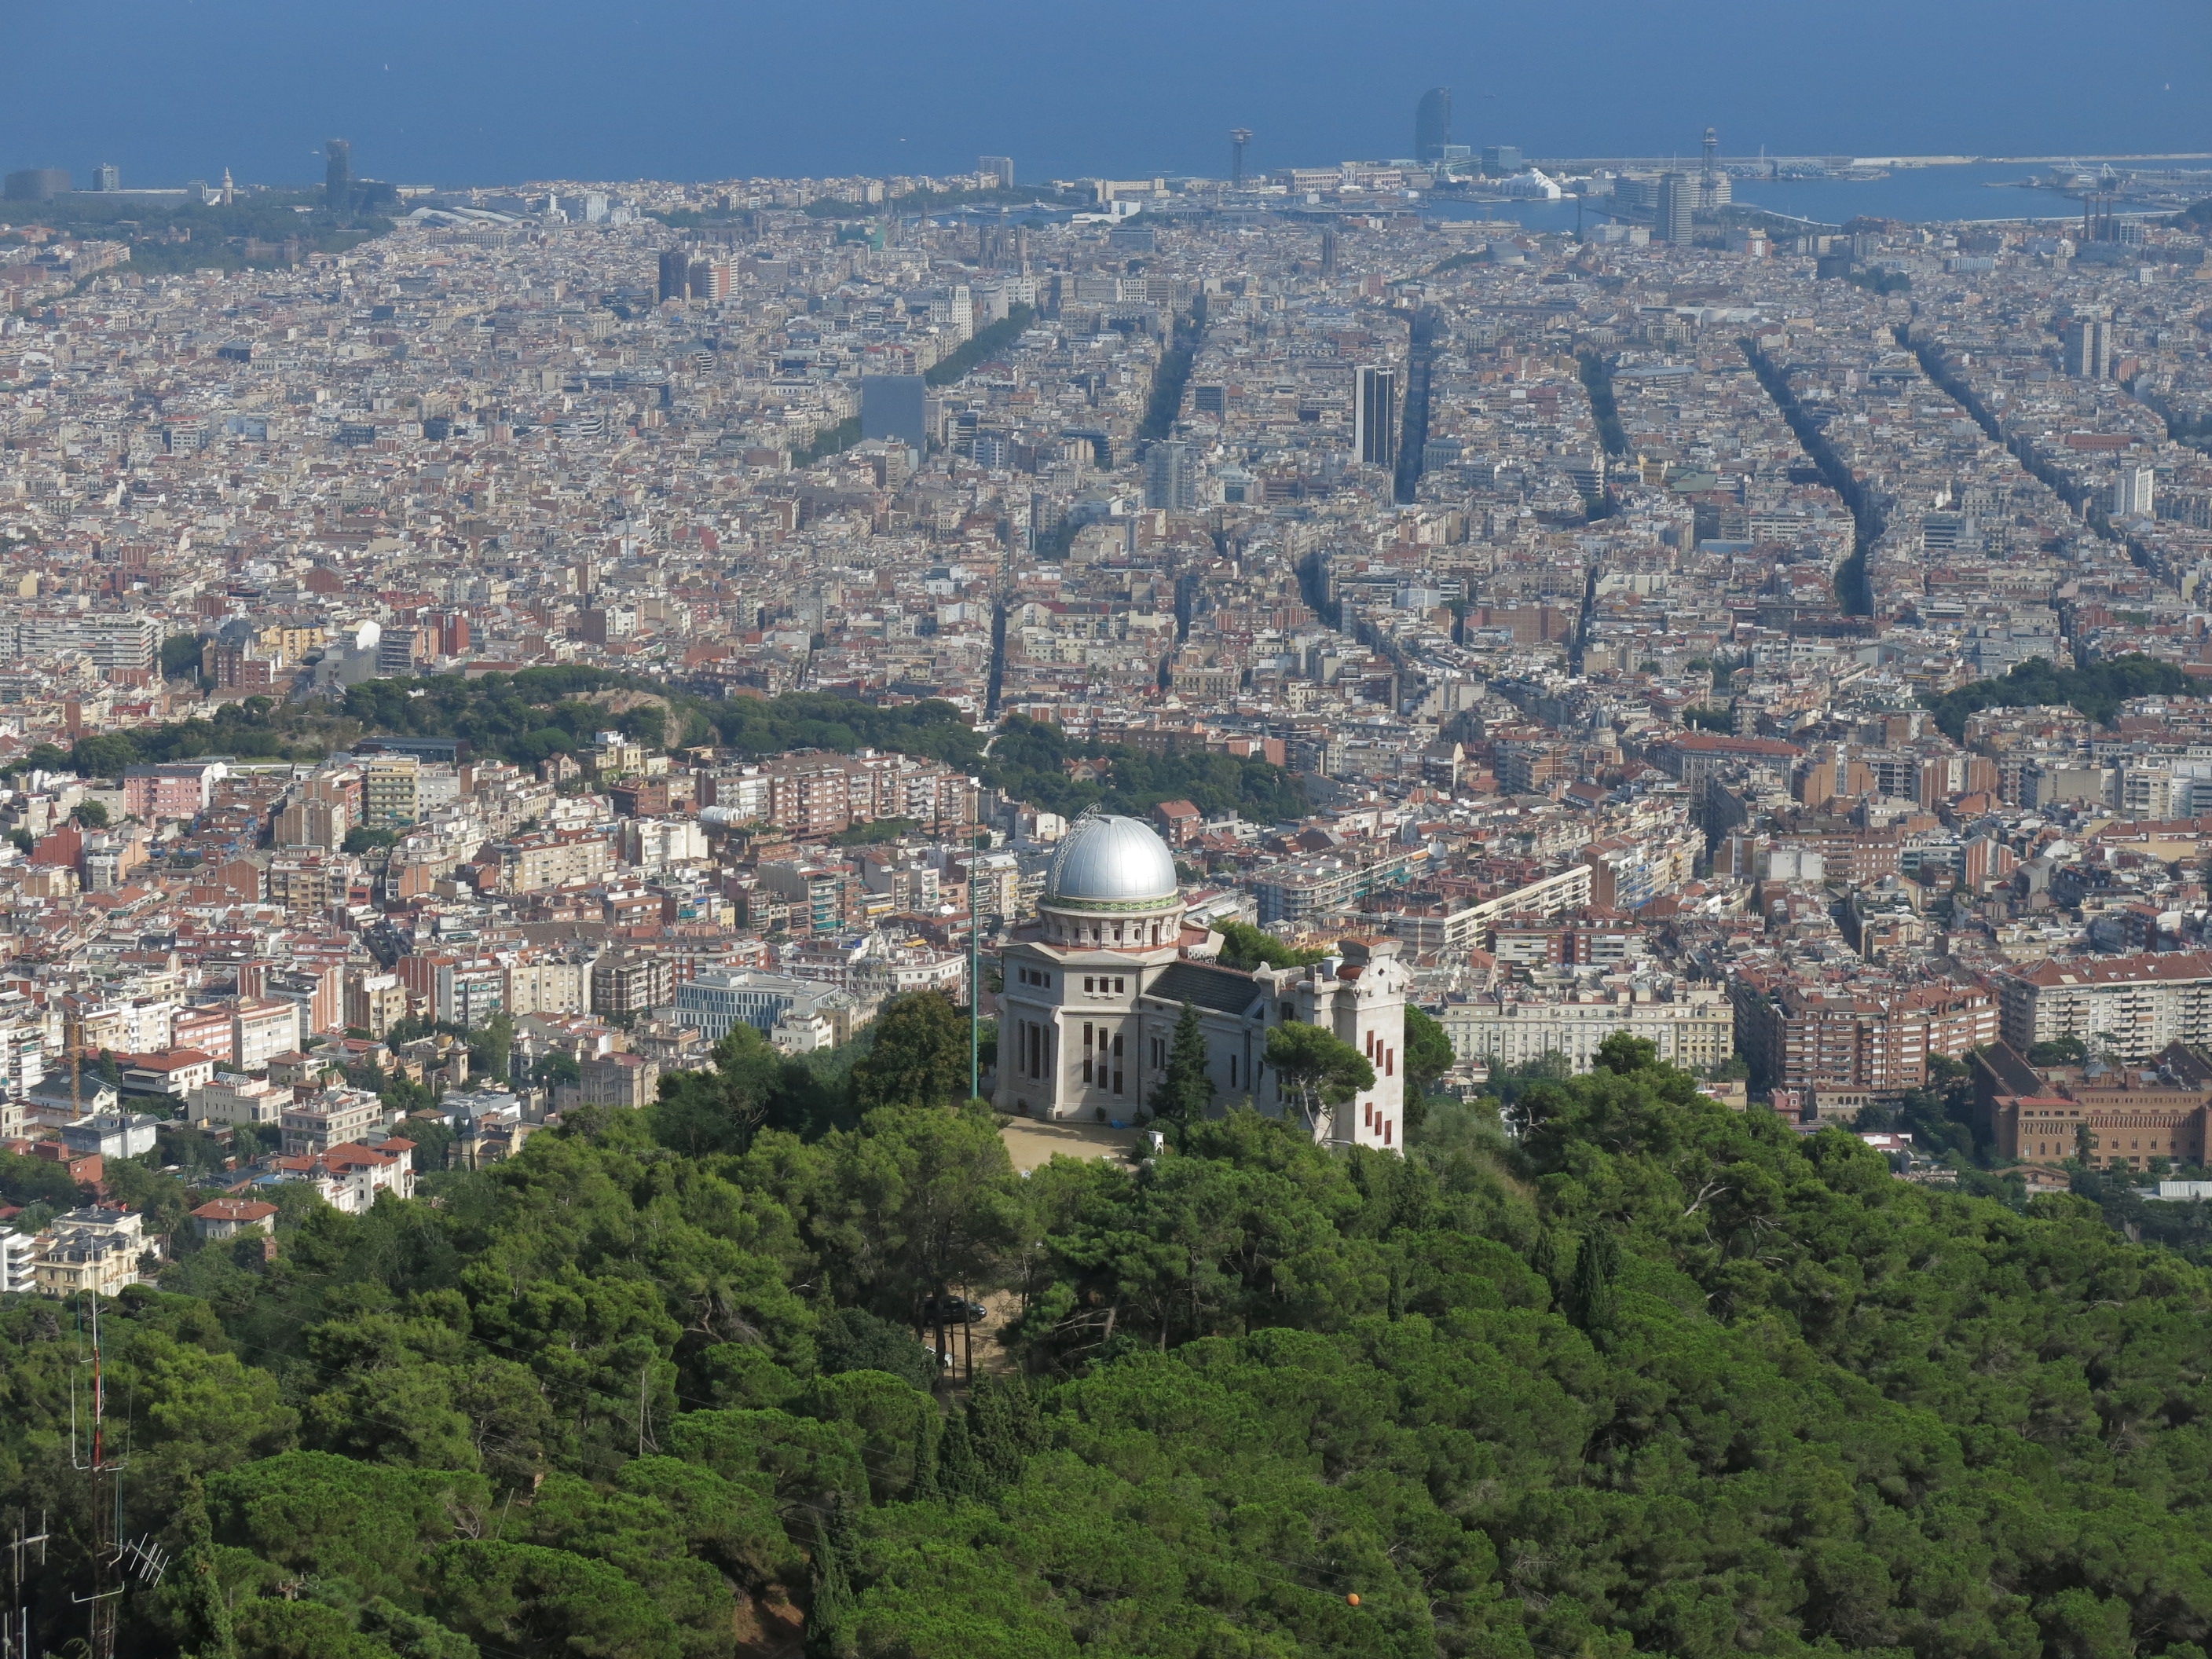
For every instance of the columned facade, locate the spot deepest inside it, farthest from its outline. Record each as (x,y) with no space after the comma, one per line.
(1092,993)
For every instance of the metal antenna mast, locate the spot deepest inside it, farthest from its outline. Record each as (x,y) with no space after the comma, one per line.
(106,1554)
(16,1635)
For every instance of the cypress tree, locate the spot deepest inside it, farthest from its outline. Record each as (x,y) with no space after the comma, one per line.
(1187,1090)
(1596,1265)
(924,1483)
(193,1589)
(1548,1260)
(959,1474)
(1005,1429)
(830,1606)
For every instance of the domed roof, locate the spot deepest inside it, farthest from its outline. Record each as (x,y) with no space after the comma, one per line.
(1105,861)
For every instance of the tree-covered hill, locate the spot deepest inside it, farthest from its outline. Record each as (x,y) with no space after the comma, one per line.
(2096,691)
(1031,761)
(526,716)
(1660,1378)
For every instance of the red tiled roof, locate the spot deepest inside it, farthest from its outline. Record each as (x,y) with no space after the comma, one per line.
(235,1209)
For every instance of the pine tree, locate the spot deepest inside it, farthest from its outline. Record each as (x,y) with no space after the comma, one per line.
(1186,1091)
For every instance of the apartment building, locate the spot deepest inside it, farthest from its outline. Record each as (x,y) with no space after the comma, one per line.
(1695,1032)
(181,790)
(539,983)
(390,787)
(2128,1007)
(230,1098)
(551,858)
(261,1029)
(374,1003)
(631,983)
(1873,1036)
(329,1118)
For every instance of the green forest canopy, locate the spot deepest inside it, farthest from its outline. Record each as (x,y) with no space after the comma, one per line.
(526,716)
(1029,761)
(1660,1378)
(213,235)
(2097,690)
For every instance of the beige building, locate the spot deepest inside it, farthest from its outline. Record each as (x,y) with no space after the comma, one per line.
(309,883)
(618,1080)
(374,1003)
(90,1249)
(390,791)
(230,1098)
(550,859)
(331,1118)
(544,984)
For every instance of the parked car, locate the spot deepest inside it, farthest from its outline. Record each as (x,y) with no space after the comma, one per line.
(958,1311)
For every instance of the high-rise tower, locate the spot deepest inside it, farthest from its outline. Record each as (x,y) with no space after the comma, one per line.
(337,175)
(1171,476)
(1238,137)
(1432,125)
(1375,417)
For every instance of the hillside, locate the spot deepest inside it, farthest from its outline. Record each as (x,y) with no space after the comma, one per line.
(527,716)
(1661,1379)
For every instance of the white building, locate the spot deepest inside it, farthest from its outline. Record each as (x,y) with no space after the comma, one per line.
(1094,988)
(2128,1007)
(1696,1032)
(1534,185)
(261,1029)
(18,1264)
(111,1134)
(654,844)
(716,998)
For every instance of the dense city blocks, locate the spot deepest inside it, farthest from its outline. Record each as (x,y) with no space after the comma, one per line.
(1439,906)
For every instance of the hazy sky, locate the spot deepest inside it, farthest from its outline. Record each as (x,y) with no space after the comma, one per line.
(469,91)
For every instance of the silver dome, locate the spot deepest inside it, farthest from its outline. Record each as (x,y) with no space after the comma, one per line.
(1106,859)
